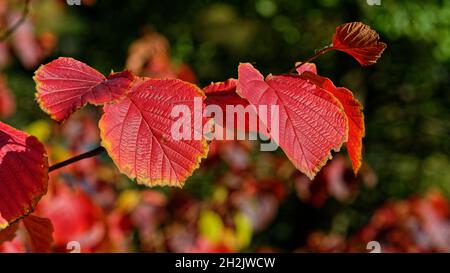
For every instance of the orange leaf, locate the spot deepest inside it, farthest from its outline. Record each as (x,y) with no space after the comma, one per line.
(65,85)
(353,110)
(136,132)
(360,41)
(311,121)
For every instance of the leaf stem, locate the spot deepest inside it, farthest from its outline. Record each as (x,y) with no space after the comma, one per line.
(79,157)
(313,57)
(8,32)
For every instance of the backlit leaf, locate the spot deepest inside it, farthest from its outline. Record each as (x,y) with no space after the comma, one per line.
(353,110)
(74,215)
(8,233)
(223,94)
(360,41)
(136,132)
(311,122)
(40,232)
(23,174)
(65,85)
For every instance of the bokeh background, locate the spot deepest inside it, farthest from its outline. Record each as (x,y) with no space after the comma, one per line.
(241,199)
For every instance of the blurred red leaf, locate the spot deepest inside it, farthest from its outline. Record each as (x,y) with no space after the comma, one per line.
(65,85)
(359,41)
(24,42)
(312,122)
(335,179)
(23,174)
(353,110)
(185,73)
(40,232)
(149,56)
(74,216)
(8,233)
(417,224)
(136,132)
(7,100)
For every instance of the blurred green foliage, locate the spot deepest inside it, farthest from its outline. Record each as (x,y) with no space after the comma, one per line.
(406,94)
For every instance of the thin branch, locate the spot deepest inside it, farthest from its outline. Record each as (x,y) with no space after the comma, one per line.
(313,57)
(74,159)
(10,31)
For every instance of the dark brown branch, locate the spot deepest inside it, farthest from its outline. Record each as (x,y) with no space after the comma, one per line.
(74,159)
(10,31)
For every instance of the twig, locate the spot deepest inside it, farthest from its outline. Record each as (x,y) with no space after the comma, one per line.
(8,32)
(313,57)
(74,159)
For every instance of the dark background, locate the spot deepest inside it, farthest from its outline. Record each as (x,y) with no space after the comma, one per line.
(406,95)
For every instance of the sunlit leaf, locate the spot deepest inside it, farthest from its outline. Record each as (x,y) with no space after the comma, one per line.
(136,132)
(360,41)
(65,85)
(311,122)
(353,110)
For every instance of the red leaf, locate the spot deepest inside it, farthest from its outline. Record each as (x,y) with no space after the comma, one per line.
(74,216)
(8,233)
(7,100)
(136,132)
(65,85)
(24,42)
(23,174)
(312,122)
(353,110)
(40,232)
(185,73)
(223,94)
(359,41)
(311,67)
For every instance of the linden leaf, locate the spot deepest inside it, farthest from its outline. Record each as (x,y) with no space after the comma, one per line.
(353,110)
(359,41)
(40,232)
(23,174)
(65,85)
(311,121)
(137,132)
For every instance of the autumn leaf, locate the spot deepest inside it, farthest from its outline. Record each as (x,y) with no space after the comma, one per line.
(75,216)
(223,94)
(65,85)
(311,122)
(303,67)
(8,233)
(24,42)
(359,41)
(7,100)
(149,56)
(40,232)
(353,109)
(23,174)
(136,132)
